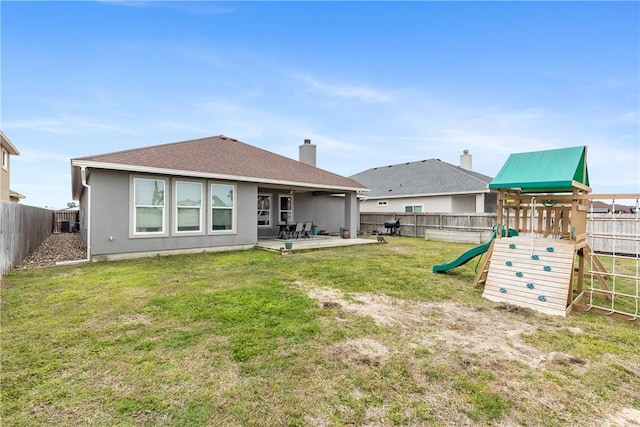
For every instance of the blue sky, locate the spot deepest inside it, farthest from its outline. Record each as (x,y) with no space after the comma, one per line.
(370,83)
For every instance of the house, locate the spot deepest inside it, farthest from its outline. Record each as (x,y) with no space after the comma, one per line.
(203,194)
(602,207)
(427,186)
(7,150)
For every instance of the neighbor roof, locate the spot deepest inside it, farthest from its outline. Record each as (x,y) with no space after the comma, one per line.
(421,178)
(4,141)
(559,170)
(217,157)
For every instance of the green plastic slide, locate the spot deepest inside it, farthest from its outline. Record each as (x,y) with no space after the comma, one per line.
(471,253)
(463,259)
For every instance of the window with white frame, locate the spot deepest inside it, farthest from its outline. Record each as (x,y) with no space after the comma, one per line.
(5,159)
(222,207)
(188,202)
(149,206)
(286,208)
(264,210)
(413,209)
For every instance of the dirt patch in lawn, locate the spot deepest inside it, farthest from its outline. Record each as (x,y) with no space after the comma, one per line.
(464,342)
(361,351)
(446,325)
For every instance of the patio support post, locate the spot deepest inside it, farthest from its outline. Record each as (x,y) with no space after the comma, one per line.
(351,214)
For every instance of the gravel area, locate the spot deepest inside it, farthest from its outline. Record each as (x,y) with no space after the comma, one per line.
(57,248)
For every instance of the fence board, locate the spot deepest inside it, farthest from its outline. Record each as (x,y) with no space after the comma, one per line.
(22,229)
(609,233)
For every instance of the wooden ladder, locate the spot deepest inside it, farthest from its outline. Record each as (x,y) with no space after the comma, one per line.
(483,267)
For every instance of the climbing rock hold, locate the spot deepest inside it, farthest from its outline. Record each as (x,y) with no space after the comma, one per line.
(547,268)
(530,285)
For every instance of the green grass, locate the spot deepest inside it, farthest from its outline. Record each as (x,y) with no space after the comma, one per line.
(235,339)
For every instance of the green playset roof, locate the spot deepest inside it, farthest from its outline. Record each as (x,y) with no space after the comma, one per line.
(555,171)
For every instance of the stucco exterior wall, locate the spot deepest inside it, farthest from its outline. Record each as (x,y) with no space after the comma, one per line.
(111,218)
(429,204)
(464,203)
(5,178)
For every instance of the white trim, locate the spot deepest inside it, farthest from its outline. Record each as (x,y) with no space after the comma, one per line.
(133,234)
(174,206)
(204,175)
(234,210)
(413,206)
(270,196)
(280,197)
(85,184)
(5,159)
(4,141)
(411,196)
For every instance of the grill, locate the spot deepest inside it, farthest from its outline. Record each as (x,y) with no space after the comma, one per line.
(391,227)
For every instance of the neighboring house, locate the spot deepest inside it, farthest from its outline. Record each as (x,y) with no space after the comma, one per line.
(427,186)
(602,207)
(205,193)
(7,150)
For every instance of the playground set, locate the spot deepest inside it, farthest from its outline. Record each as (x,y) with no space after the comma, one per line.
(541,256)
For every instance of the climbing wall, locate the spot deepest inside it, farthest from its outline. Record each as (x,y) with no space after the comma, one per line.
(533,273)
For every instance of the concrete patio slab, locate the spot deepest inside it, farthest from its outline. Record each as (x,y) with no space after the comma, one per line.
(316,242)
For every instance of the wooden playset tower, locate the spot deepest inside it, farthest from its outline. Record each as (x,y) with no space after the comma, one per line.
(544,196)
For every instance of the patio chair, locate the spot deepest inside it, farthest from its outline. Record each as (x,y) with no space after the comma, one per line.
(307,229)
(298,231)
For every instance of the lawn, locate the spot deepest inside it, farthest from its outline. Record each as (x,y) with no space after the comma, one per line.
(362,335)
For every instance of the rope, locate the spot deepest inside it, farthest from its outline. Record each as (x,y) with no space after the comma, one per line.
(591,244)
(613,253)
(533,210)
(637,256)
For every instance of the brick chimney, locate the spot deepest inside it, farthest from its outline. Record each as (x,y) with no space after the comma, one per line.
(465,160)
(308,153)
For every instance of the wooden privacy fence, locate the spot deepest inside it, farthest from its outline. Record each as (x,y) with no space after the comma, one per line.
(604,229)
(415,224)
(614,233)
(22,229)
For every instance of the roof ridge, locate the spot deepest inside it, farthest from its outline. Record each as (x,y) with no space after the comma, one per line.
(129,150)
(402,164)
(469,173)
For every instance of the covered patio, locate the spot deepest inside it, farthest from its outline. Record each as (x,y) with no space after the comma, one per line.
(317,242)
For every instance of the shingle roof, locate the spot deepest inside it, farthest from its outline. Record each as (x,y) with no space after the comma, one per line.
(219,157)
(425,177)
(11,149)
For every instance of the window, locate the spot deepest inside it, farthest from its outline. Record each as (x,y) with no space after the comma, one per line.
(222,207)
(413,209)
(5,159)
(264,210)
(188,206)
(286,208)
(148,205)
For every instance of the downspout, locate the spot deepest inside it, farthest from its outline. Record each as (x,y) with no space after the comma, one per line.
(83,174)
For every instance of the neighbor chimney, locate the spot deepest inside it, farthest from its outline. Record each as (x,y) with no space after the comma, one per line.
(308,153)
(465,160)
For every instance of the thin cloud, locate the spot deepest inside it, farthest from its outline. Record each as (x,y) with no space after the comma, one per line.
(193,7)
(69,125)
(34,155)
(346,92)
